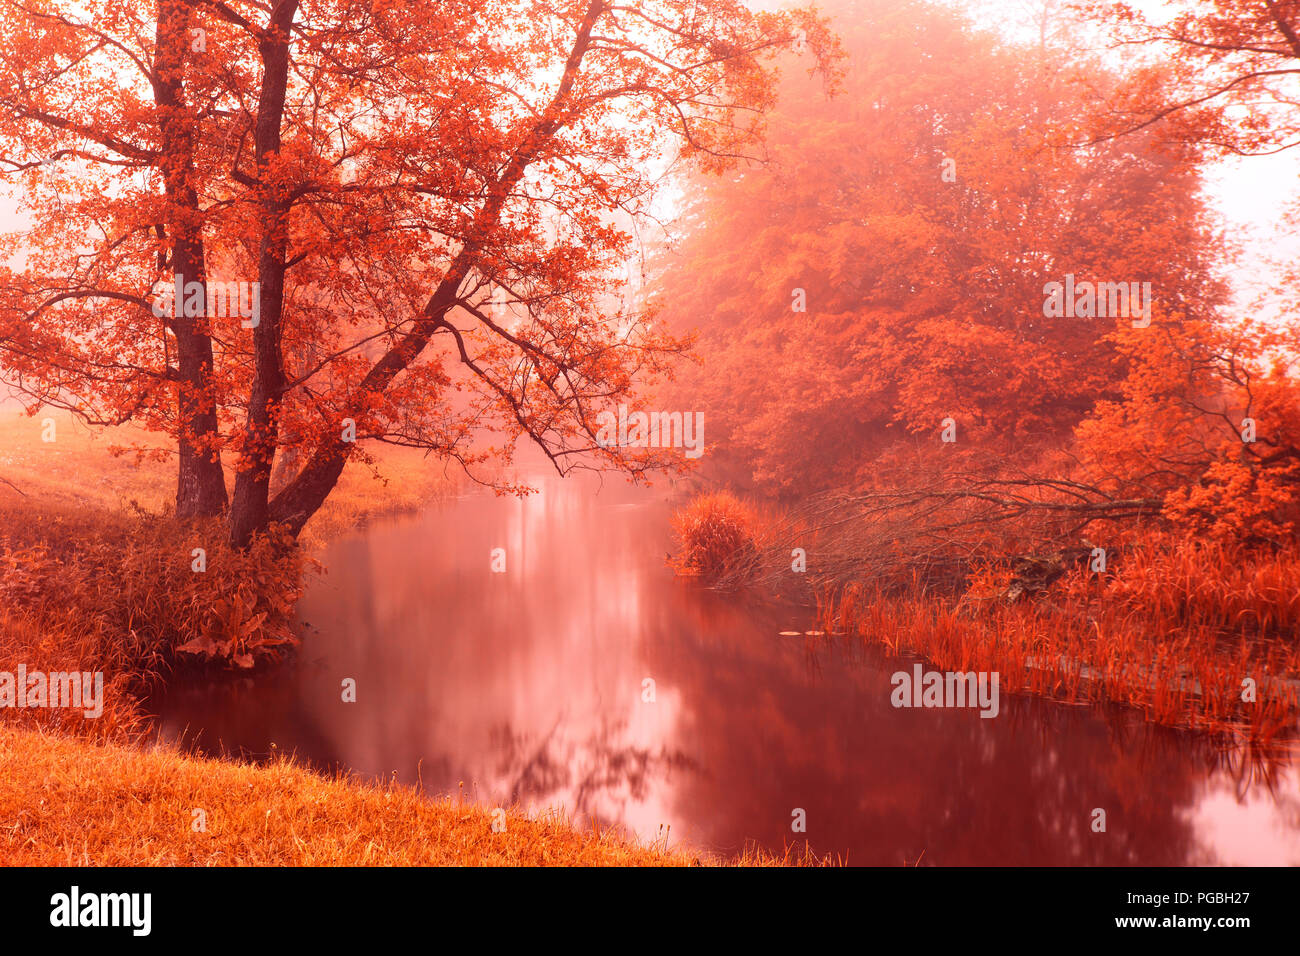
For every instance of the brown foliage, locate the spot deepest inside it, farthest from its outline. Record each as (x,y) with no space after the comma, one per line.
(94,591)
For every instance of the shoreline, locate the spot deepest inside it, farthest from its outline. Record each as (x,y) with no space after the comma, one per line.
(69,802)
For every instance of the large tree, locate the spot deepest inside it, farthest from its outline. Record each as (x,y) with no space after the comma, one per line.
(432,199)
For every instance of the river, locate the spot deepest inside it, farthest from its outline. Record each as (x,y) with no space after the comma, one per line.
(531,686)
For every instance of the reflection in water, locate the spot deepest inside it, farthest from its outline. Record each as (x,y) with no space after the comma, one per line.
(527,686)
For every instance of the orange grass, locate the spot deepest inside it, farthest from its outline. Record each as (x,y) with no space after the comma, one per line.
(71,645)
(1172,629)
(66,802)
(714,534)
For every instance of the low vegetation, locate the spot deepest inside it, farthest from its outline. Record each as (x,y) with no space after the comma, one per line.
(67,802)
(100,574)
(1157,634)
(1200,632)
(715,536)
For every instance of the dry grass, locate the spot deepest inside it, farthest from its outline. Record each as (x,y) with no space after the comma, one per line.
(70,646)
(66,802)
(1173,629)
(78,467)
(715,535)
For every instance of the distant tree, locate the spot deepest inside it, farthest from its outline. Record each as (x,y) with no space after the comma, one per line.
(919,217)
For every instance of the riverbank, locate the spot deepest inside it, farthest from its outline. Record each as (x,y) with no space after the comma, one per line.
(96,573)
(1192,632)
(67,802)
(97,577)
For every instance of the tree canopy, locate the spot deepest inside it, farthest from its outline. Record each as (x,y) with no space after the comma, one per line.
(429,202)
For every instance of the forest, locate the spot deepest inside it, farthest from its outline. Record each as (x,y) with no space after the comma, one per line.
(529,414)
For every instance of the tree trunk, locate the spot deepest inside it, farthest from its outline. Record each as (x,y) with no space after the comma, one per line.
(303,497)
(250,507)
(200,482)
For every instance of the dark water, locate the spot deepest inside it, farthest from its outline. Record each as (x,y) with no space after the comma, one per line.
(527,686)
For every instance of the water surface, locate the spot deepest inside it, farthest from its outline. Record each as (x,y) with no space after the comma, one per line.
(529,687)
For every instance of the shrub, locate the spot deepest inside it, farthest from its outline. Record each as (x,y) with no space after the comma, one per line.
(715,535)
(130,580)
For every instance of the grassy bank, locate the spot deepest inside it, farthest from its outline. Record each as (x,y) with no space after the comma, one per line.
(1203,666)
(71,802)
(96,574)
